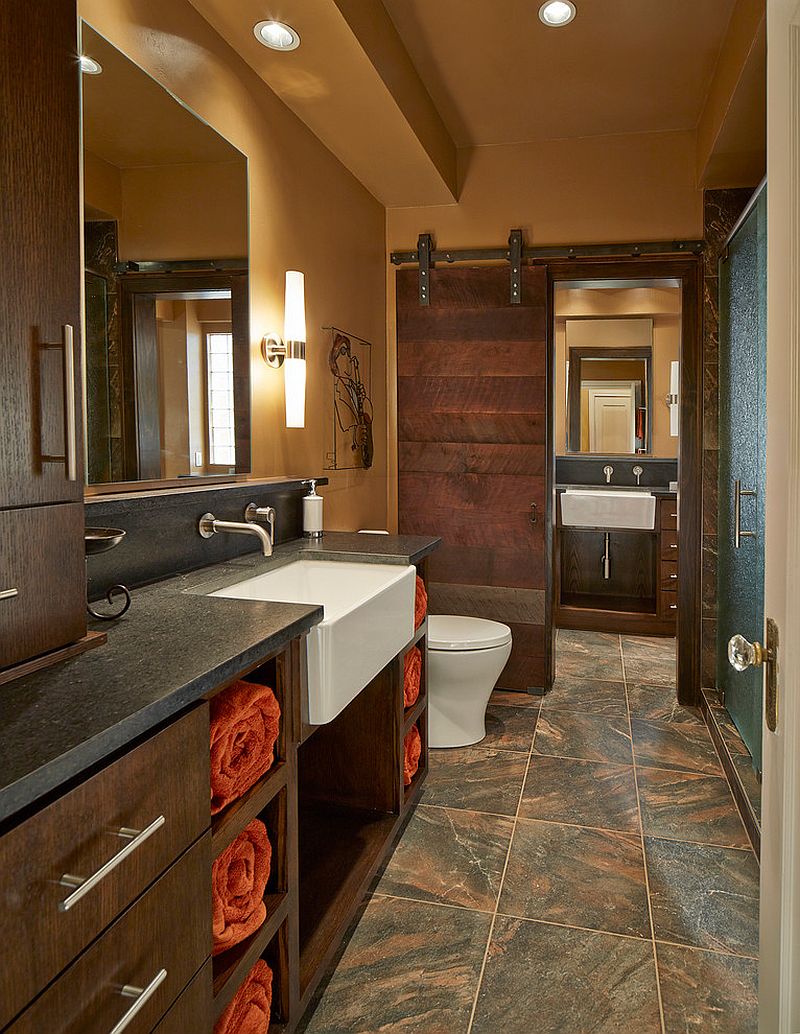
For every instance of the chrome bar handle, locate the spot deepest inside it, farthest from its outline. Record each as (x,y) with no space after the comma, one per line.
(738,534)
(83,884)
(142,996)
(70,422)
(7,594)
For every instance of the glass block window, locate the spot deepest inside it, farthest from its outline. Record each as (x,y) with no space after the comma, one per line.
(219,363)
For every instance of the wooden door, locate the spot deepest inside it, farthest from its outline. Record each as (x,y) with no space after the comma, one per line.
(474,452)
(40,267)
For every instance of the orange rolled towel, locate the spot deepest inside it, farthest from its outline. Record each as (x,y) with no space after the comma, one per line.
(412,672)
(249,1010)
(412,748)
(238,881)
(245,720)
(420,603)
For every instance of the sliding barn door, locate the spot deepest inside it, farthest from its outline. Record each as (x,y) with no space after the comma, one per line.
(473,450)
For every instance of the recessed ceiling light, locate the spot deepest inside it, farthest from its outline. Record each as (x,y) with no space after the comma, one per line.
(277,35)
(89,66)
(557,12)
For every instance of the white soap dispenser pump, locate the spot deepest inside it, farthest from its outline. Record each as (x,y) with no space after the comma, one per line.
(312,512)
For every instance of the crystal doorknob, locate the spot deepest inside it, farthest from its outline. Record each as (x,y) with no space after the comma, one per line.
(743,654)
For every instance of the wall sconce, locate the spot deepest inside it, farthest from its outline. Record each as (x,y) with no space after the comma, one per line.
(290,350)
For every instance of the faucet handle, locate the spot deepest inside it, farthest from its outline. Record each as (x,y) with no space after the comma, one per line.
(637,473)
(255,514)
(608,470)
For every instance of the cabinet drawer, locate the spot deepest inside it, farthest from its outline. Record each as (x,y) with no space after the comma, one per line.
(41,559)
(193,1011)
(168,929)
(669,604)
(168,775)
(669,514)
(668,576)
(669,545)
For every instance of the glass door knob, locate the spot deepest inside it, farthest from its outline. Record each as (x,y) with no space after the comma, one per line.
(743,654)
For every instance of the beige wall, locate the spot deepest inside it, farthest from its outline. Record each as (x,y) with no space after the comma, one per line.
(306,212)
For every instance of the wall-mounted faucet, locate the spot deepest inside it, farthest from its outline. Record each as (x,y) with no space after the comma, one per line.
(608,470)
(209,525)
(637,473)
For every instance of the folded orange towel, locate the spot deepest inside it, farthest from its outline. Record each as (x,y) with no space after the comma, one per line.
(250,1007)
(238,881)
(245,719)
(420,603)
(412,748)
(412,672)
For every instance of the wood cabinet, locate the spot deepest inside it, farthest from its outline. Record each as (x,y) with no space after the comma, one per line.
(40,272)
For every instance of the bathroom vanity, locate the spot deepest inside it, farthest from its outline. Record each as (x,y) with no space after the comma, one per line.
(106,836)
(616,560)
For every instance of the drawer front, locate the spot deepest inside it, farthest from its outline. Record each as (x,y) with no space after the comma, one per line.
(669,604)
(193,1011)
(669,514)
(669,545)
(168,929)
(168,775)
(42,579)
(668,576)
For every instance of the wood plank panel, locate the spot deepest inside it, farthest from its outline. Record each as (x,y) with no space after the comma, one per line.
(473,394)
(416,425)
(473,358)
(471,458)
(476,565)
(473,401)
(463,287)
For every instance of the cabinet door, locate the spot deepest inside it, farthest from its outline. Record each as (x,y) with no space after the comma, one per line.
(40,266)
(42,580)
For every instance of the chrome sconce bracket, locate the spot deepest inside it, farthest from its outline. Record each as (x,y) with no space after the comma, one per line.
(274,350)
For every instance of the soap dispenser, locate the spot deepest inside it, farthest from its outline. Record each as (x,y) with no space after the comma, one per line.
(312,512)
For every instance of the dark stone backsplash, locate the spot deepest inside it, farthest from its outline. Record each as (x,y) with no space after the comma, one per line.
(162,537)
(588,470)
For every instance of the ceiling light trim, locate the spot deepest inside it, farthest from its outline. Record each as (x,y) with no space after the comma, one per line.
(555,14)
(283,37)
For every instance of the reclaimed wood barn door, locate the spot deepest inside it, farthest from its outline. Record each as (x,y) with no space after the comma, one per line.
(474,451)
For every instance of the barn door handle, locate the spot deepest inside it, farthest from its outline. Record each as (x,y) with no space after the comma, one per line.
(534,515)
(738,533)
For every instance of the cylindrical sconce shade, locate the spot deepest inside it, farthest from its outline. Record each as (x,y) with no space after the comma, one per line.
(294,386)
(294,335)
(294,313)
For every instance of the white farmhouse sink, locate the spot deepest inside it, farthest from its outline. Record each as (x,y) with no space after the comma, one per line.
(369,618)
(600,508)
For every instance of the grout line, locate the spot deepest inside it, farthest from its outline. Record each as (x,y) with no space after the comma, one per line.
(502,879)
(708,951)
(644,851)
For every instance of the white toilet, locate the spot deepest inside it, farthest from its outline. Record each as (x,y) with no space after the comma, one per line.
(465,658)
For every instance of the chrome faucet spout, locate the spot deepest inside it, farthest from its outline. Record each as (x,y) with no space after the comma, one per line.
(209,525)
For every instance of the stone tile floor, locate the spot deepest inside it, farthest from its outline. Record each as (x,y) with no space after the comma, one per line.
(583,869)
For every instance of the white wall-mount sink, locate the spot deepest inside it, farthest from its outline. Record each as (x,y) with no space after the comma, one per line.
(369,618)
(608,508)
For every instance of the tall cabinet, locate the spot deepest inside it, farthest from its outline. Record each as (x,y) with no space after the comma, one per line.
(42,576)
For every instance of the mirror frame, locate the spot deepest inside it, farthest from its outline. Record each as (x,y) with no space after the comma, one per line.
(576,357)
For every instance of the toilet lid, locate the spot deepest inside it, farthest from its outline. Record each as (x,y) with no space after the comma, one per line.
(448,632)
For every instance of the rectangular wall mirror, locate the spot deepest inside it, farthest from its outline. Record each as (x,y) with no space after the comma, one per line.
(618,346)
(167,338)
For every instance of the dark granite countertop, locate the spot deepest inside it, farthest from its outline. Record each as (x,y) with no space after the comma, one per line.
(173,646)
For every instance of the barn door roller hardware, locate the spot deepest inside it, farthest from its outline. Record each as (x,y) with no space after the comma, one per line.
(427,255)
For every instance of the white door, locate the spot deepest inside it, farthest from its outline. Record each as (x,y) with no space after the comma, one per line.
(612,426)
(779,991)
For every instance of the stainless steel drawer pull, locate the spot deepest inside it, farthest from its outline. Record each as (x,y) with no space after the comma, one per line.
(673,545)
(83,884)
(8,594)
(142,996)
(674,515)
(674,577)
(673,606)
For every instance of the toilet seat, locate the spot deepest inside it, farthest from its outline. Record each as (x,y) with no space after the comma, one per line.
(449,632)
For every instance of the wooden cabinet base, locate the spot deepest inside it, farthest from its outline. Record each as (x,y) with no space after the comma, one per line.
(89,642)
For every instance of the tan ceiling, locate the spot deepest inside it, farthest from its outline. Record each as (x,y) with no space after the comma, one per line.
(130,121)
(498,75)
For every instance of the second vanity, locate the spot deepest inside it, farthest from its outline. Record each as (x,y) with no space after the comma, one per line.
(105,770)
(616,560)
